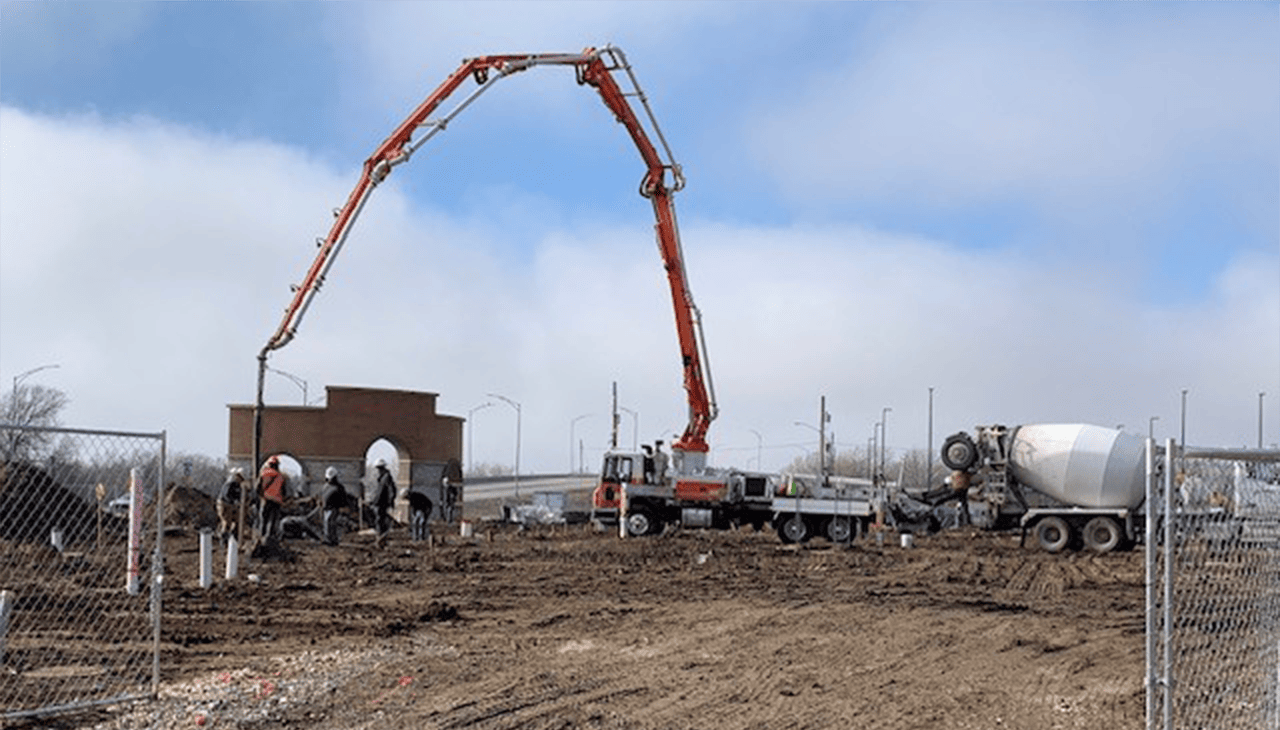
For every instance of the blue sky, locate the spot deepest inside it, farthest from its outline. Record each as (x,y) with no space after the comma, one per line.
(1047,212)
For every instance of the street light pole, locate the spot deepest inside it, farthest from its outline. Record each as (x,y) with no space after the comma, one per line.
(516,406)
(635,427)
(873,456)
(884,436)
(572,424)
(13,403)
(471,465)
(1182,435)
(928,474)
(820,444)
(759,448)
(1260,395)
(23,376)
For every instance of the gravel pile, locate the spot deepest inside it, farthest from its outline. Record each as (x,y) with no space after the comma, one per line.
(306,687)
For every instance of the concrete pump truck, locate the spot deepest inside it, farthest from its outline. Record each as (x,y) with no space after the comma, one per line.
(689,493)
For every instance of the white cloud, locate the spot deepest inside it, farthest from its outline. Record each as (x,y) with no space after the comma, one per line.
(151,262)
(1077,112)
(396,53)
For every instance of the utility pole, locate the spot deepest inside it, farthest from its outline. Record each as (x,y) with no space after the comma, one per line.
(928,474)
(822,438)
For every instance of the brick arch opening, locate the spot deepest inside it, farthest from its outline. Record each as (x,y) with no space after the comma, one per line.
(294,469)
(398,459)
(341,432)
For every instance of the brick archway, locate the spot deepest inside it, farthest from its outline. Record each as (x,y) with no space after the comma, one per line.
(339,435)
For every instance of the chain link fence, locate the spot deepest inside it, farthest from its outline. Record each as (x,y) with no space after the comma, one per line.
(81,525)
(1213,582)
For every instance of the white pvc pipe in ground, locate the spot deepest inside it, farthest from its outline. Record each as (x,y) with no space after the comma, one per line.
(233,557)
(134,566)
(206,558)
(622,511)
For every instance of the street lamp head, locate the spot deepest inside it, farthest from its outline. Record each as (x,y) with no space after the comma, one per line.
(505,399)
(19,377)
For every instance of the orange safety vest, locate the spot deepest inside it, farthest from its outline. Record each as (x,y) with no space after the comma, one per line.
(272,485)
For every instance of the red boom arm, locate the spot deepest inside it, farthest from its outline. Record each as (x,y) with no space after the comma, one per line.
(662,178)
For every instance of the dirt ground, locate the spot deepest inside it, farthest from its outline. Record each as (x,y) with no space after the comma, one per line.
(567,627)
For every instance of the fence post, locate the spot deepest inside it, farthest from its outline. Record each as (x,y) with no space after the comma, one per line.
(6,605)
(1171,514)
(134,557)
(1149,540)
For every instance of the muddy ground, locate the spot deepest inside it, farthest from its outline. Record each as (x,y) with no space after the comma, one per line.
(568,627)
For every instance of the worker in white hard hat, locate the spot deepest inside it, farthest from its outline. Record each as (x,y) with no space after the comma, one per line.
(229,503)
(333,499)
(383,498)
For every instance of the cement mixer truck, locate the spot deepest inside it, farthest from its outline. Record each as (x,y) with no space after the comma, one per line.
(1068,485)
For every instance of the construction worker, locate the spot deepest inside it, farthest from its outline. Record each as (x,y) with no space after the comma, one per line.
(333,498)
(384,497)
(419,516)
(228,503)
(451,491)
(659,463)
(271,492)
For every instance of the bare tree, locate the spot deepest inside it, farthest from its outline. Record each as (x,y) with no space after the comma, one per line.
(848,463)
(26,407)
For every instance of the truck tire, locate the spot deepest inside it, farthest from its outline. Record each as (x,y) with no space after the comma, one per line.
(1102,535)
(959,452)
(641,522)
(840,530)
(1053,534)
(793,529)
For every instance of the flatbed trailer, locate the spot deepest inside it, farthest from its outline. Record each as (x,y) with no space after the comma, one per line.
(814,508)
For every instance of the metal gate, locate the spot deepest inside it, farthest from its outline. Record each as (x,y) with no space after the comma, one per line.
(81,525)
(1213,590)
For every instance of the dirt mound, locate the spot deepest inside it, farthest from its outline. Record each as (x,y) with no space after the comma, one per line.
(188,507)
(33,504)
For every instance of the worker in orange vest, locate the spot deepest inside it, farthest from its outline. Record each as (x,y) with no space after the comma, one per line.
(271,490)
